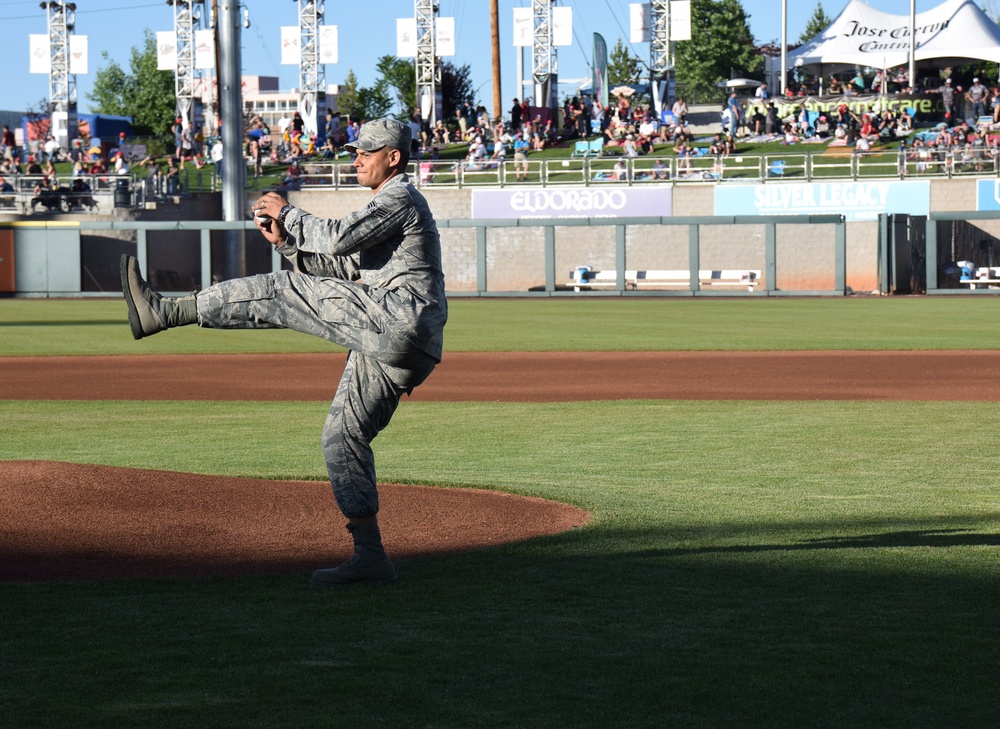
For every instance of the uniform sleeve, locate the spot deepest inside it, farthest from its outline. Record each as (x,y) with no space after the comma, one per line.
(382,219)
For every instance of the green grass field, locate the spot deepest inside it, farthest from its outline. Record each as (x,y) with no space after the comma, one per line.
(748,564)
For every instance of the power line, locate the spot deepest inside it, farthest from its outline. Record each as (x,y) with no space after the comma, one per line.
(84,12)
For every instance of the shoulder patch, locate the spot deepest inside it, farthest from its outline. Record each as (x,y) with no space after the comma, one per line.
(376,210)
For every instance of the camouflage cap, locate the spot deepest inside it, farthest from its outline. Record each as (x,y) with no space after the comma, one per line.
(380,133)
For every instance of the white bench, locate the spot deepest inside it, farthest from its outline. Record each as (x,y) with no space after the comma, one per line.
(583,278)
(986,276)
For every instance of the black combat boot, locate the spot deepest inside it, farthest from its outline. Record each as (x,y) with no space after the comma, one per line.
(370,564)
(148,311)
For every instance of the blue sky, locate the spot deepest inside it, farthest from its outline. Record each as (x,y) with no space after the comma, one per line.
(115,26)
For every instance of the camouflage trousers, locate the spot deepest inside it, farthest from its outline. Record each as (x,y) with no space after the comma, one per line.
(380,368)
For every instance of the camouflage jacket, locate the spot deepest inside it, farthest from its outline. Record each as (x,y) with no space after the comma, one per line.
(392,248)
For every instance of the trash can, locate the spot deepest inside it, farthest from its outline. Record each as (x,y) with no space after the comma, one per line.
(123,195)
(7,273)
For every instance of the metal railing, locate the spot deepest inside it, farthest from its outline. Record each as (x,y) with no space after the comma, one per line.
(654,169)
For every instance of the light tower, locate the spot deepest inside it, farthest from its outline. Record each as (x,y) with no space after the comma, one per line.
(62,83)
(544,66)
(312,73)
(660,59)
(187,20)
(425,12)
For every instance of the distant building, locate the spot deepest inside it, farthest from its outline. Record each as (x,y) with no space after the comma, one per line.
(262,97)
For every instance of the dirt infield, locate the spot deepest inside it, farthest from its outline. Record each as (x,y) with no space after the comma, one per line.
(66,521)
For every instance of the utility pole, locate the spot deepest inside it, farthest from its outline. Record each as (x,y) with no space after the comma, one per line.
(495,36)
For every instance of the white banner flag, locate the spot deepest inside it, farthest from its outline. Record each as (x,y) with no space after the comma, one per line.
(562,26)
(639,22)
(444,39)
(680,20)
(40,60)
(204,49)
(166,50)
(38,48)
(79,62)
(291,45)
(523,27)
(329,52)
(406,37)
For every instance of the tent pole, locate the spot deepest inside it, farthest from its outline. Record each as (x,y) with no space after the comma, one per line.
(913,44)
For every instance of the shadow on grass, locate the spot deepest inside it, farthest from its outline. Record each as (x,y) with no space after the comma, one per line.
(781,625)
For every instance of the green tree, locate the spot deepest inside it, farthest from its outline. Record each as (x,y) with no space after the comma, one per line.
(347,98)
(623,66)
(362,102)
(400,77)
(456,87)
(143,93)
(816,25)
(721,46)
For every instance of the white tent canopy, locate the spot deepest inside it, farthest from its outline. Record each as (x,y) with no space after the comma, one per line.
(956,30)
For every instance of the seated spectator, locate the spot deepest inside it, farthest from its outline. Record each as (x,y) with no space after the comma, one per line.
(822,126)
(660,170)
(630,147)
(499,150)
(717,148)
(619,172)
(120,167)
(293,177)
(684,153)
(730,144)
(6,193)
(329,149)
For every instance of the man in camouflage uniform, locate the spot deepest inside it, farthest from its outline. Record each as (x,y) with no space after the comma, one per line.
(371,282)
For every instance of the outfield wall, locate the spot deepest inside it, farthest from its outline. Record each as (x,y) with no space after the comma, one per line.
(806,257)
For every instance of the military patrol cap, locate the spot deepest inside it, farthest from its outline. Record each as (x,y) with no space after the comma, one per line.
(380,133)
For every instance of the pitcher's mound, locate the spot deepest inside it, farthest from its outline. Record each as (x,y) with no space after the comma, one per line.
(65,521)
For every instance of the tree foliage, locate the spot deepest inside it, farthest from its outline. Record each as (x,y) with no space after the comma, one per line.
(142,92)
(816,25)
(399,76)
(456,87)
(362,102)
(623,66)
(721,46)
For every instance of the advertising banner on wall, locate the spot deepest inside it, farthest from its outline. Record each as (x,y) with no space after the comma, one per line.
(853,200)
(988,195)
(582,202)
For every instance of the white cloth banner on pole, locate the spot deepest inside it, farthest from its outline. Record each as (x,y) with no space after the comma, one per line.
(562,26)
(79,61)
(680,20)
(38,47)
(639,22)
(166,50)
(329,51)
(406,37)
(523,27)
(291,45)
(444,39)
(204,49)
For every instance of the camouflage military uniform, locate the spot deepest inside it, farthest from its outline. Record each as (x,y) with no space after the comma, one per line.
(371,282)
